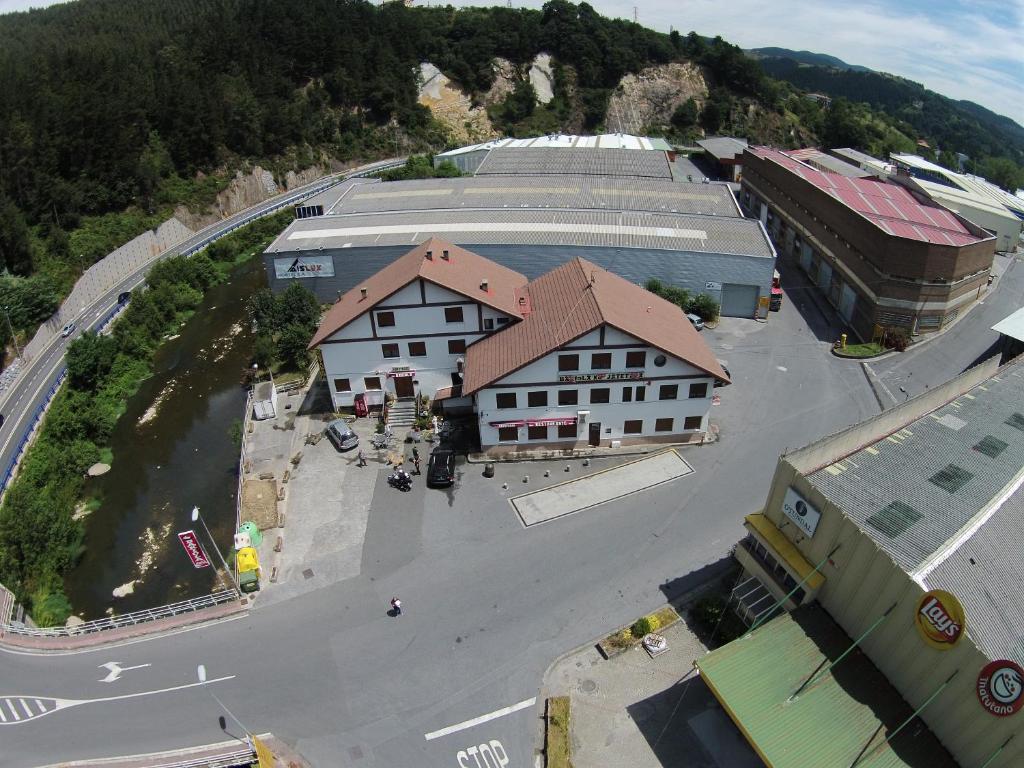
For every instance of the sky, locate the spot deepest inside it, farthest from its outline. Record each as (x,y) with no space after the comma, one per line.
(972,49)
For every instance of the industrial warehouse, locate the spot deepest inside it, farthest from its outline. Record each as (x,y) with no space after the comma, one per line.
(894,546)
(690,235)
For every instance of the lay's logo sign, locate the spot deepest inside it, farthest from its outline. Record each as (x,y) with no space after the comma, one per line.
(940,619)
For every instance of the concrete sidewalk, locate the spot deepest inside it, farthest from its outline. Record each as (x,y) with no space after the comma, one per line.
(633,711)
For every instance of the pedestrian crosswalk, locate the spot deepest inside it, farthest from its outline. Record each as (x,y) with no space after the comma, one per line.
(18,709)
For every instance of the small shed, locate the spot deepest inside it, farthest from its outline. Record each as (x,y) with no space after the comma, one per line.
(264,403)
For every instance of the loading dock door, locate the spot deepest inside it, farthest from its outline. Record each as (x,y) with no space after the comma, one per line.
(824,275)
(847,299)
(739,300)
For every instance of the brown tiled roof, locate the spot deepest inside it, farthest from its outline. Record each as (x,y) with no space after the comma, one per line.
(462,272)
(570,301)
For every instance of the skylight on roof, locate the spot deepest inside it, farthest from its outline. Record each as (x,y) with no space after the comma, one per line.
(990,446)
(894,519)
(1016,421)
(951,478)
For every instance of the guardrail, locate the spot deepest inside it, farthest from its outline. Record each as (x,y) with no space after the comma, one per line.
(235,759)
(124,620)
(26,438)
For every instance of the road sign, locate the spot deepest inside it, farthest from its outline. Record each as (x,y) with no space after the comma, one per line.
(190,542)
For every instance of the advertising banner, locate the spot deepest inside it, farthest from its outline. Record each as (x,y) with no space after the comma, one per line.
(190,542)
(940,619)
(796,508)
(304,266)
(1001,687)
(572,378)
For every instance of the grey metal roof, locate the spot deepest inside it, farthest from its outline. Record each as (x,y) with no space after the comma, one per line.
(824,162)
(524,226)
(562,161)
(332,195)
(930,495)
(723,147)
(566,192)
(855,155)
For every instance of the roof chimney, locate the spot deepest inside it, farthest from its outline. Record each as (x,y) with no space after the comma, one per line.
(362,293)
(430,255)
(522,301)
(444,254)
(483,285)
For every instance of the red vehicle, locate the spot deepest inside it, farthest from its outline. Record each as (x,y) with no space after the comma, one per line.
(775,303)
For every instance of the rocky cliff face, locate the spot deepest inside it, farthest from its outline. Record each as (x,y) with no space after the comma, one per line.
(451,107)
(246,190)
(651,96)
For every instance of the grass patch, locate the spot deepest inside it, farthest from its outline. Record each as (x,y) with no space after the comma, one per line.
(106,455)
(556,742)
(871,349)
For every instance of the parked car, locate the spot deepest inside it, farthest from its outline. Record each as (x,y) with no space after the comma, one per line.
(341,434)
(67,330)
(441,467)
(695,319)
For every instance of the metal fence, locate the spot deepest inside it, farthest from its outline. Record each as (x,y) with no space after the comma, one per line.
(235,759)
(125,620)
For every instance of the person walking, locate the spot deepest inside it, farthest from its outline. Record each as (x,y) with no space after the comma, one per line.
(360,458)
(396,606)
(416,460)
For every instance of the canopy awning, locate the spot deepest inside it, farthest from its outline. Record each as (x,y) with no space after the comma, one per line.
(841,715)
(783,547)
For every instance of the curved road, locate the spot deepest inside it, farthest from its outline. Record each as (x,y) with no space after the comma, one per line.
(489,605)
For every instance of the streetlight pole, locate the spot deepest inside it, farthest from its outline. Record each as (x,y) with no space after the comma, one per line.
(201,674)
(11,329)
(196,516)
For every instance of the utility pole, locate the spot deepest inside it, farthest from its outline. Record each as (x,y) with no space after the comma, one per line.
(635,15)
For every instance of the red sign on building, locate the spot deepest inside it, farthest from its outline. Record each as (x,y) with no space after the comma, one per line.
(190,542)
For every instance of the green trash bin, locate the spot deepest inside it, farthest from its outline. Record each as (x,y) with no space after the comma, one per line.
(255,535)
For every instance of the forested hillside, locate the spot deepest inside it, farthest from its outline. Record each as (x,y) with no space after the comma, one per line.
(956,126)
(112,112)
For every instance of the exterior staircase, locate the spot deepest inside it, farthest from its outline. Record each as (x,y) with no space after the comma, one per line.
(402,414)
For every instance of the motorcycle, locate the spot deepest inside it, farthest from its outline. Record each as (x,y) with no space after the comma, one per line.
(401,480)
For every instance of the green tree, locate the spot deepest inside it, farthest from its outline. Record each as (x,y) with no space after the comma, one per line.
(298,306)
(1003,172)
(89,359)
(263,310)
(716,110)
(15,252)
(292,345)
(264,350)
(685,116)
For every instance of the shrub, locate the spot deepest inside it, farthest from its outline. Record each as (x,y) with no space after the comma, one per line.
(896,338)
(705,306)
(644,626)
(707,612)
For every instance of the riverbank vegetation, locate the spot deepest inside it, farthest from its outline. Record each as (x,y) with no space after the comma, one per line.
(284,325)
(39,538)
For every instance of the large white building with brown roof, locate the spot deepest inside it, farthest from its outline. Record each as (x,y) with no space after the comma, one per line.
(577,356)
(405,330)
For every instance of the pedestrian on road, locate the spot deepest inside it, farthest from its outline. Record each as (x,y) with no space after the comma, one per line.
(360,459)
(416,461)
(396,606)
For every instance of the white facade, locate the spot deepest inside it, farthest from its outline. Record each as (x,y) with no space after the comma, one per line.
(633,383)
(408,344)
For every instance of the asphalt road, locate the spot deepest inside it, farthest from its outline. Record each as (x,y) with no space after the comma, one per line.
(488,604)
(29,390)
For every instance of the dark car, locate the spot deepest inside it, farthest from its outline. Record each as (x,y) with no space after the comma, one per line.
(441,467)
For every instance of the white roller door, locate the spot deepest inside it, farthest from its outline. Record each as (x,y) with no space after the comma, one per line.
(739,300)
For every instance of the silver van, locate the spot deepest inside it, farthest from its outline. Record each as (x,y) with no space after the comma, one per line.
(341,435)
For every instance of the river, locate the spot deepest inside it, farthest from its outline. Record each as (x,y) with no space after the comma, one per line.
(172,451)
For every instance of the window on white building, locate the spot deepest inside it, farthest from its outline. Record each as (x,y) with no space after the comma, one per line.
(456,346)
(601,361)
(633,427)
(389,350)
(342,385)
(668,391)
(636,359)
(692,422)
(698,390)
(453,314)
(385,319)
(506,399)
(568,362)
(641,393)
(568,397)
(663,425)
(600,395)
(508,434)
(627,394)
(489,324)
(537,433)
(567,430)
(371,382)
(537,399)
(417,349)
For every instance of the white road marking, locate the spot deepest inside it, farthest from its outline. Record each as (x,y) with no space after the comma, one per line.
(482,719)
(3,717)
(782,368)
(59,704)
(115,670)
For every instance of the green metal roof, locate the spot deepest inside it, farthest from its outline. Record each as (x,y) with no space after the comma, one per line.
(841,715)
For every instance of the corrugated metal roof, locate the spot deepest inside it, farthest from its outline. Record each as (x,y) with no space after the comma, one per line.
(1012,326)
(606,140)
(834,718)
(723,147)
(933,495)
(889,206)
(520,226)
(818,159)
(562,161)
(576,298)
(566,192)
